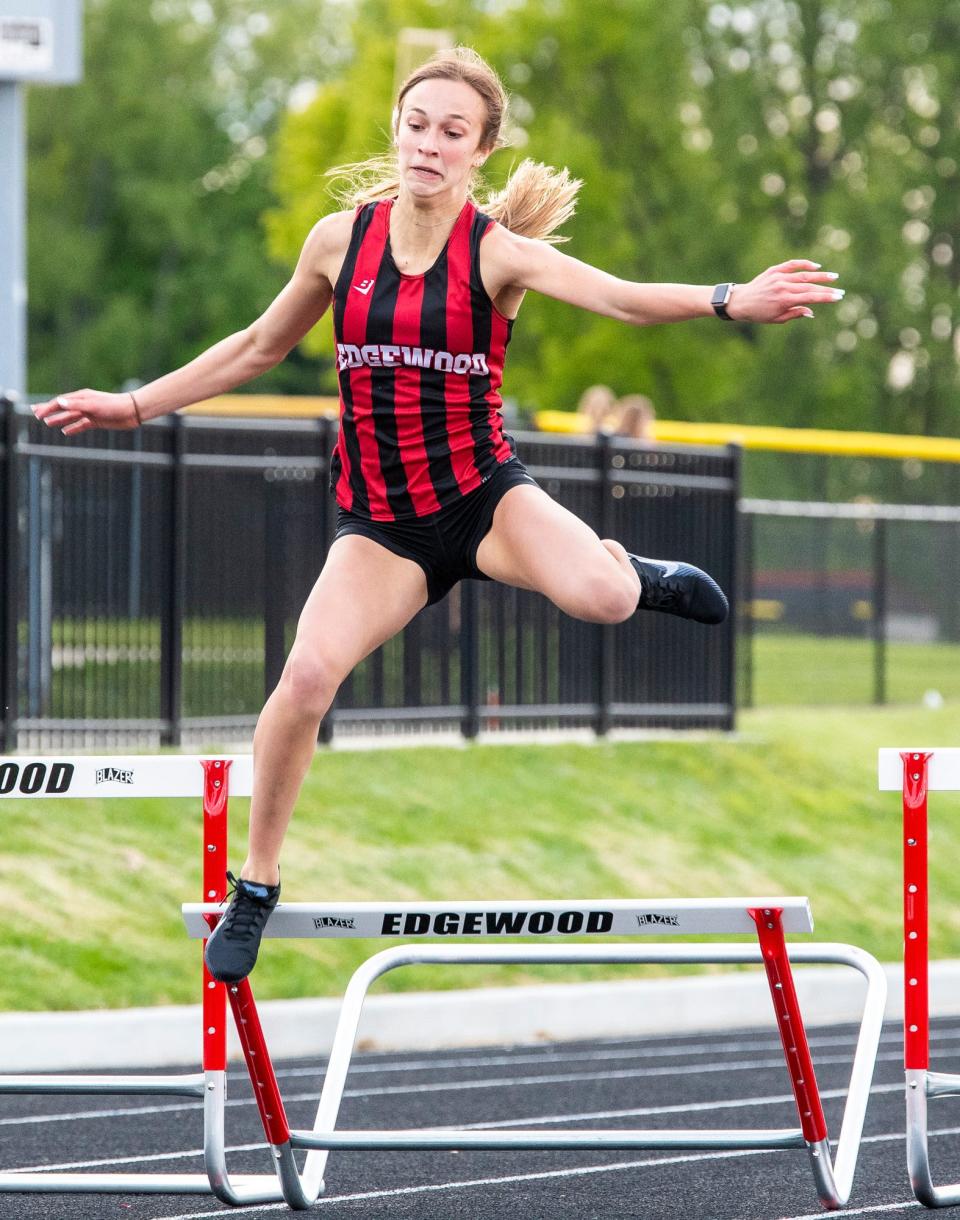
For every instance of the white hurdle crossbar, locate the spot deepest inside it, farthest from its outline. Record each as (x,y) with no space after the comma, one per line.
(163,776)
(766,918)
(914,773)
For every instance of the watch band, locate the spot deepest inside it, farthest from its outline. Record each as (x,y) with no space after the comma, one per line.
(720,300)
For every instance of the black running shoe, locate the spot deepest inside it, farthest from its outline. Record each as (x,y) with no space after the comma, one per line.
(233,945)
(679,588)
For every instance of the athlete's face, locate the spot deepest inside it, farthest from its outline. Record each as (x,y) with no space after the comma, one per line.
(438,138)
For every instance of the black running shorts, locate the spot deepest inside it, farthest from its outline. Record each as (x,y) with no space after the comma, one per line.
(445,543)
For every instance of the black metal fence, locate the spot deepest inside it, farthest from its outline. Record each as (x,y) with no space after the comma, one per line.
(849,603)
(152,583)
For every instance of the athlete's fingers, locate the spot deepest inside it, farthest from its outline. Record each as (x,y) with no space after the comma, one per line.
(798,311)
(83,424)
(813,277)
(796,264)
(814,295)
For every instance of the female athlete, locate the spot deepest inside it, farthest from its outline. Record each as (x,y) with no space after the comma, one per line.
(425,286)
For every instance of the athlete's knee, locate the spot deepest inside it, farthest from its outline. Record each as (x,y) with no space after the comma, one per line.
(605,597)
(310,680)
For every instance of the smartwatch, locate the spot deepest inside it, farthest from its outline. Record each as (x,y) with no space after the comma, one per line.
(721,299)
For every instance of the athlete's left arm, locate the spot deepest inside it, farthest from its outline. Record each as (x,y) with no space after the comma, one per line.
(779,294)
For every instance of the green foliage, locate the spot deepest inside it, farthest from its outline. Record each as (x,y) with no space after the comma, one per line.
(713,141)
(147,183)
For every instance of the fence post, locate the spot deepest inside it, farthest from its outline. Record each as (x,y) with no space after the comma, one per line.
(469,659)
(747,584)
(879,610)
(325,519)
(10,572)
(274,585)
(171,622)
(736,564)
(605,634)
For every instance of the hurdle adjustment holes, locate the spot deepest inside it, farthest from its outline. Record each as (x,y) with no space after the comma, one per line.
(211,985)
(913,982)
(211,1029)
(911,936)
(211,847)
(211,893)
(916,775)
(911,842)
(911,889)
(778,986)
(913,1029)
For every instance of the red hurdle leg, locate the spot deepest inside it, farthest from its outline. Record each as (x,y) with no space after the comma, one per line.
(916,1002)
(262,1076)
(793,1036)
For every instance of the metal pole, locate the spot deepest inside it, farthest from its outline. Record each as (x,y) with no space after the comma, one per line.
(10,571)
(325,519)
(733,533)
(171,625)
(13,261)
(274,584)
(880,611)
(469,659)
(605,636)
(748,578)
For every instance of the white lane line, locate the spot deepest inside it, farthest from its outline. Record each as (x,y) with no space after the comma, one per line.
(438,1086)
(473,1183)
(549,1175)
(548,1056)
(858,1211)
(693,1107)
(735,1103)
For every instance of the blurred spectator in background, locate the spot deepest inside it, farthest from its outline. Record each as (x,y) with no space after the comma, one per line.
(633,418)
(596,407)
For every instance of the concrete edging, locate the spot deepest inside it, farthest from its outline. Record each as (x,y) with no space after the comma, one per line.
(170,1036)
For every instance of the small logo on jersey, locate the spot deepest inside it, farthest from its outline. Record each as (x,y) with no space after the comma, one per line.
(364,286)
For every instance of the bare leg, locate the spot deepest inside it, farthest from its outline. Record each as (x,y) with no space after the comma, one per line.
(535,543)
(364,596)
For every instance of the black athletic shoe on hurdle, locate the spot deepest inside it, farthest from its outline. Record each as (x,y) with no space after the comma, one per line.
(679,588)
(233,945)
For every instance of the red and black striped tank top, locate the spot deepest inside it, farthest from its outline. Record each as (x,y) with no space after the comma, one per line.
(420,363)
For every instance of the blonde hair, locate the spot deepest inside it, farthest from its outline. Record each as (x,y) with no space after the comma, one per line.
(536,198)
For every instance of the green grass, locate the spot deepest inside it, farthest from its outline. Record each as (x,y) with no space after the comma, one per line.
(791,670)
(789,806)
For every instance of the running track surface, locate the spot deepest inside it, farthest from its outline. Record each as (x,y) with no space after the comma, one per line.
(729,1080)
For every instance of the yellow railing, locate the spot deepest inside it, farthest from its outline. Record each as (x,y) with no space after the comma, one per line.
(273,406)
(748,436)
(784,440)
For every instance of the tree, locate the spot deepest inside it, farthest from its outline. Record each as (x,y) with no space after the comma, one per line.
(147,183)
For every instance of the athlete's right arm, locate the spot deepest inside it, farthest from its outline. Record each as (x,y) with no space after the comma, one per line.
(231,362)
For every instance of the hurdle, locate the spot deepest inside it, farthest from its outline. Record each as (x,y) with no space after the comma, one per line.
(164,777)
(914,773)
(765,919)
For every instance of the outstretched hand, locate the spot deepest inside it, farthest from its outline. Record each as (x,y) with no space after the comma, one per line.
(783,293)
(82,410)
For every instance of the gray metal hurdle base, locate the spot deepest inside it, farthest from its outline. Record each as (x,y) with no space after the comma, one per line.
(833,1179)
(210,1087)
